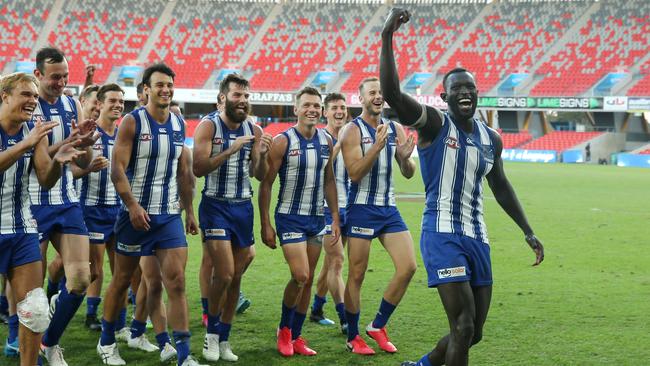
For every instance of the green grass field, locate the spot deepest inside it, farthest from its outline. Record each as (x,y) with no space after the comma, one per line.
(587,304)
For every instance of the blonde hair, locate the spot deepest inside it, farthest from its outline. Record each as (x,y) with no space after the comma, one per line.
(9,82)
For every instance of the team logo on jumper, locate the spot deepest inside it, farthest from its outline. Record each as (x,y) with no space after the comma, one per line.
(295,152)
(129,248)
(178,137)
(96,236)
(325,150)
(215,232)
(362,230)
(451,272)
(452,143)
(290,236)
(146,137)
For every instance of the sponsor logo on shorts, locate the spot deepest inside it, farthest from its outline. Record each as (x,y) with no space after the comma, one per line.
(215,232)
(451,272)
(362,230)
(96,236)
(133,248)
(289,236)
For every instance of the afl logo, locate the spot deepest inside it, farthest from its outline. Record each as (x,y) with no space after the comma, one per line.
(366,140)
(217,141)
(452,143)
(295,152)
(145,137)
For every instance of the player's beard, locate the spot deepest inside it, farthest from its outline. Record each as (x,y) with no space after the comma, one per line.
(233,113)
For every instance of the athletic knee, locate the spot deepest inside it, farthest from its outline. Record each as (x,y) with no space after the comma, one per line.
(78,279)
(300,277)
(336,263)
(406,272)
(225,277)
(154,289)
(176,284)
(356,274)
(463,330)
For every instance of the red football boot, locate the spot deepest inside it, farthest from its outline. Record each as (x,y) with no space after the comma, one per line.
(380,336)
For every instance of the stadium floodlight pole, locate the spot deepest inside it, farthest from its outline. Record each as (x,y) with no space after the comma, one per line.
(456,152)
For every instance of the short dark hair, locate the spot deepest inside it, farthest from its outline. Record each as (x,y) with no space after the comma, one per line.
(85,93)
(307,90)
(139,89)
(50,55)
(332,97)
(455,70)
(366,80)
(224,85)
(159,67)
(101,93)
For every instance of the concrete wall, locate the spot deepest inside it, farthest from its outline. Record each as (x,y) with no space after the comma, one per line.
(603,146)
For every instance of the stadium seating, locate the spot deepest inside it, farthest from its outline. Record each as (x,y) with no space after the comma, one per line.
(514,140)
(21,21)
(418,47)
(642,87)
(195,43)
(560,140)
(304,38)
(512,37)
(614,38)
(103,33)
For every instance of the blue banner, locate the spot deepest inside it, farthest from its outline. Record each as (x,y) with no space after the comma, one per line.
(535,156)
(572,156)
(636,160)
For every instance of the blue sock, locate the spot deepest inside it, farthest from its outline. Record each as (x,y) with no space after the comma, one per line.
(66,306)
(340,310)
(108,333)
(91,305)
(131,296)
(224,331)
(296,326)
(385,311)
(13,328)
(121,320)
(62,283)
(137,328)
(182,340)
(424,361)
(204,305)
(213,324)
(4,304)
(317,306)
(162,339)
(287,316)
(353,324)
